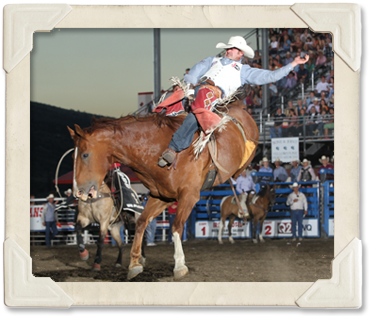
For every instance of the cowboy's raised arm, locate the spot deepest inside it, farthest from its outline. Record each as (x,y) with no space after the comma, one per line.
(198,71)
(262,76)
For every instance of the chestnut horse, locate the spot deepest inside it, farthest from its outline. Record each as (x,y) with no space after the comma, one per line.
(104,212)
(257,212)
(138,142)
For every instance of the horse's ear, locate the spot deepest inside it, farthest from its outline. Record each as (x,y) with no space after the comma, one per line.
(79,131)
(72,133)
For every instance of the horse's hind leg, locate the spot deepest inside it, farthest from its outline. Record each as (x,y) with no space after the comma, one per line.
(261,221)
(221,228)
(186,203)
(152,209)
(230,224)
(115,233)
(254,228)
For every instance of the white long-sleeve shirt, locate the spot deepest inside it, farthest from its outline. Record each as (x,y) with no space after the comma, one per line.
(301,204)
(245,184)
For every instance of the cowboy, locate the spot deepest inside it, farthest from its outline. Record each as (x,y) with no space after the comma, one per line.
(50,219)
(280,174)
(297,201)
(245,185)
(296,167)
(265,168)
(307,172)
(326,165)
(216,78)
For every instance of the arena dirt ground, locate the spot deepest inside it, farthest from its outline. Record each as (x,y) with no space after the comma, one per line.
(278,260)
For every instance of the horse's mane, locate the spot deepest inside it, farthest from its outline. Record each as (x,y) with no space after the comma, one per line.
(160,120)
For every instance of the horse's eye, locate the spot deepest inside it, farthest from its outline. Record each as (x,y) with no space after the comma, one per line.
(84,156)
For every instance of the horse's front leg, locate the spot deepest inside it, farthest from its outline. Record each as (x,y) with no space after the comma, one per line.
(230,224)
(80,224)
(254,230)
(186,203)
(152,209)
(100,244)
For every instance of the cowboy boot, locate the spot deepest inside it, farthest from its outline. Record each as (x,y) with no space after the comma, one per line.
(167,157)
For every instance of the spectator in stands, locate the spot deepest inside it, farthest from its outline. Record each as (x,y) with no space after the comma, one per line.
(328,48)
(249,110)
(50,219)
(315,123)
(321,60)
(292,127)
(257,58)
(308,45)
(280,174)
(299,206)
(309,99)
(310,67)
(265,168)
(330,76)
(306,35)
(291,82)
(172,211)
(323,96)
(296,45)
(323,106)
(302,73)
(288,59)
(327,166)
(286,43)
(299,107)
(274,46)
(276,131)
(315,105)
(258,100)
(276,65)
(32,198)
(322,86)
(329,124)
(295,170)
(307,172)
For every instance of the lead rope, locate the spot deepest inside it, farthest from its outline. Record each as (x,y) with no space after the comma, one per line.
(121,198)
(57,170)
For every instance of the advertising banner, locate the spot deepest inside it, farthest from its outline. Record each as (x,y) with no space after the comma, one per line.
(331,227)
(36,213)
(210,229)
(286,149)
(283,228)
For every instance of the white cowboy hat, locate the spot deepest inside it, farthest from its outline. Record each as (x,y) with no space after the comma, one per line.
(240,43)
(51,196)
(68,191)
(324,158)
(305,160)
(297,160)
(294,185)
(277,160)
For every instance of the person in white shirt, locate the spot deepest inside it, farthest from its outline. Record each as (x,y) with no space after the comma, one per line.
(297,201)
(322,86)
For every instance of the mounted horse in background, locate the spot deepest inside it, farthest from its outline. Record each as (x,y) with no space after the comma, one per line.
(111,216)
(138,142)
(257,206)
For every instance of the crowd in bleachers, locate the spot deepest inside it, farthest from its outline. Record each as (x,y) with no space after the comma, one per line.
(316,107)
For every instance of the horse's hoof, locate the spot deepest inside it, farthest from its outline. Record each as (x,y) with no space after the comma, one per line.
(84,255)
(231,241)
(255,241)
(118,265)
(180,273)
(220,242)
(142,261)
(96,267)
(134,272)
(262,240)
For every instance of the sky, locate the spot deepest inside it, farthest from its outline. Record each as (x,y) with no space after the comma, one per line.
(101,71)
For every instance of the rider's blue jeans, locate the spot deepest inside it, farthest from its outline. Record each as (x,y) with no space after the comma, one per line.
(182,138)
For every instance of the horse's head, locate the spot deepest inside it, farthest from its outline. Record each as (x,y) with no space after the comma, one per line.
(272,194)
(91,163)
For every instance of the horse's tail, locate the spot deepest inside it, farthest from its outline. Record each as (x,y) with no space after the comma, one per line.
(221,202)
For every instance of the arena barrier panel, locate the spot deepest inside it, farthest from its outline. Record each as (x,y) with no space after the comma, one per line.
(327,204)
(206,213)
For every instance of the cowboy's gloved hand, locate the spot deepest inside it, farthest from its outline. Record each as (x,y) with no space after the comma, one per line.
(190,94)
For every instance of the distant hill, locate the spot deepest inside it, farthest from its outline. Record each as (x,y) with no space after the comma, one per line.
(50,139)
